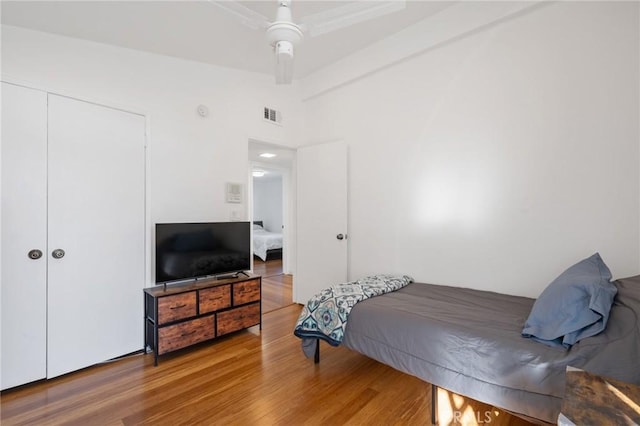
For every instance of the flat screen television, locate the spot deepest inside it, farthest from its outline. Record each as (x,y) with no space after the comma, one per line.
(190,251)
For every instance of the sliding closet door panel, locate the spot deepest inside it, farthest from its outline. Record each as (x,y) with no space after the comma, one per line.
(96,216)
(24,228)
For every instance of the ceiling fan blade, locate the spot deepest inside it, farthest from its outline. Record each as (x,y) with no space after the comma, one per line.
(349,14)
(243,14)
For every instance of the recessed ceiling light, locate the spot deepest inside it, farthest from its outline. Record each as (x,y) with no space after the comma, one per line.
(257,173)
(267,155)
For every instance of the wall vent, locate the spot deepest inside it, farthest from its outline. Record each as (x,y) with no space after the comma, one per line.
(272,116)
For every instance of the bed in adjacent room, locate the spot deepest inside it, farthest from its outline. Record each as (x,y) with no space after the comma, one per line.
(473,343)
(266,244)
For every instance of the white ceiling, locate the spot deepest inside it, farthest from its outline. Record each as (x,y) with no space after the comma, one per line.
(201,31)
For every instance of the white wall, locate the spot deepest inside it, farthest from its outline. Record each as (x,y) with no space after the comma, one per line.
(190,158)
(491,161)
(499,159)
(267,202)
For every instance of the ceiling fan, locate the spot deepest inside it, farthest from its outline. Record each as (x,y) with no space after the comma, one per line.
(283,34)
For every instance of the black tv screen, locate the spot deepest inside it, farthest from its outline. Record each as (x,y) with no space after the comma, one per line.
(196,250)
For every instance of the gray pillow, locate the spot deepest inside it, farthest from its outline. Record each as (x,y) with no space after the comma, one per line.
(574,306)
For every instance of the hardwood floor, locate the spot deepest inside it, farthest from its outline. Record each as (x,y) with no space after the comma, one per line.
(277,288)
(269,268)
(251,377)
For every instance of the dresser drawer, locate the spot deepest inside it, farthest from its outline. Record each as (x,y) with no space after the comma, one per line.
(214,298)
(245,292)
(178,306)
(186,333)
(238,318)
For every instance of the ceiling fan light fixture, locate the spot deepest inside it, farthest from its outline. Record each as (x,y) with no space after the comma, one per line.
(283,35)
(284,31)
(283,28)
(284,62)
(284,51)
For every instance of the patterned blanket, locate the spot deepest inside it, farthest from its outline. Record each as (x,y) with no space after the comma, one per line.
(325,315)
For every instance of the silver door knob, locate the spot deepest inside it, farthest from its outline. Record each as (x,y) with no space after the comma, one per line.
(340,237)
(34,254)
(57,254)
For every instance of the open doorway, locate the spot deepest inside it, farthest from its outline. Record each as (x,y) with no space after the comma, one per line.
(271,211)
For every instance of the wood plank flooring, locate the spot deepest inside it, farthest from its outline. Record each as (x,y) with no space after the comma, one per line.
(269,268)
(251,377)
(277,288)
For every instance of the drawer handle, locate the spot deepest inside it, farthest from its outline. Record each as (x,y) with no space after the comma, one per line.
(187,334)
(178,307)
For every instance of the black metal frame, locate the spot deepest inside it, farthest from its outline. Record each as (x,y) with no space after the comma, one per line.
(434,404)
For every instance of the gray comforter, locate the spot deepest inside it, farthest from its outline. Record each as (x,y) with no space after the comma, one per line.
(469,342)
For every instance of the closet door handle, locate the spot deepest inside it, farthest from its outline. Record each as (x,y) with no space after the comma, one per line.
(57,254)
(35,254)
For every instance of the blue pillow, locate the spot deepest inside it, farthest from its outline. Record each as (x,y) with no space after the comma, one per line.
(574,306)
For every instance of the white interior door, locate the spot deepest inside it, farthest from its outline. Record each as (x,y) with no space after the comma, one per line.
(322,218)
(96,215)
(24,228)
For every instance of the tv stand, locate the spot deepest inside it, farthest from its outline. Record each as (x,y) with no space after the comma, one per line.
(182,315)
(234,275)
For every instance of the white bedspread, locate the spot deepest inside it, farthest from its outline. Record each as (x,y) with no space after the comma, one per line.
(264,240)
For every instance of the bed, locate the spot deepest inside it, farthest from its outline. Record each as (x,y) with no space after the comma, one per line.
(266,245)
(470,342)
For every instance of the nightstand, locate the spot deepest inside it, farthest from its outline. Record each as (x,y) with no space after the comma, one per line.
(590,399)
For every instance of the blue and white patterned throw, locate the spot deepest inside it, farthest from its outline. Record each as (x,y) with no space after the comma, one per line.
(325,315)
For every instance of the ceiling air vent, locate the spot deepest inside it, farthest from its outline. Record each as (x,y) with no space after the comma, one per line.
(272,116)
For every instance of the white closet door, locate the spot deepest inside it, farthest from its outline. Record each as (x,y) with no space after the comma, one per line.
(24,228)
(96,215)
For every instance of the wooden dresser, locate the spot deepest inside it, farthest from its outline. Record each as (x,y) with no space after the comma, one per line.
(182,315)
